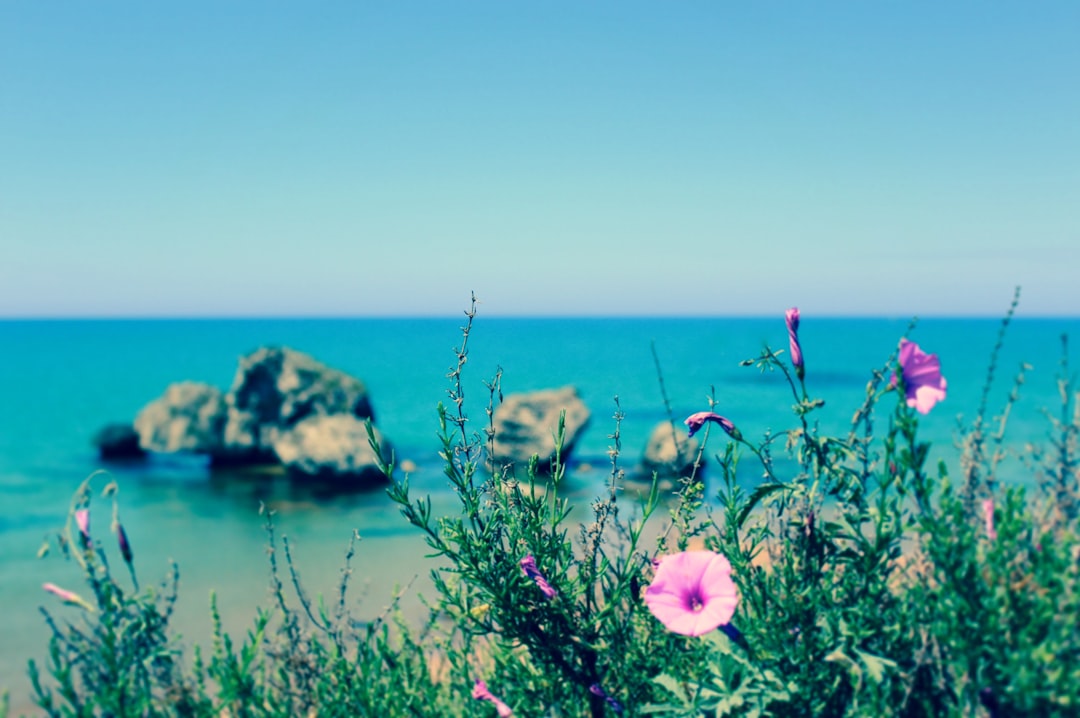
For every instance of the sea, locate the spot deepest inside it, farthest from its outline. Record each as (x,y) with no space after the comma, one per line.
(62,380)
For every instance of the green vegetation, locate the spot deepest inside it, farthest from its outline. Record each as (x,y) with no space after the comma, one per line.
(869,584)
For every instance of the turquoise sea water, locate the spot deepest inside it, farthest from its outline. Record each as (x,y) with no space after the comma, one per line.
(61,380)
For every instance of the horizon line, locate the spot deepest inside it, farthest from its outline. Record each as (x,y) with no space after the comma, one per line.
(544,317)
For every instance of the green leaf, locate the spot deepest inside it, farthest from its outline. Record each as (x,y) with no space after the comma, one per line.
(756,496)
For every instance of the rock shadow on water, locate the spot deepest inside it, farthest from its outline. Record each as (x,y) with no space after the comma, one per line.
(284,489)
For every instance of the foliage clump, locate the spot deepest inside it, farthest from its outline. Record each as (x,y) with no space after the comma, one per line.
(866,583)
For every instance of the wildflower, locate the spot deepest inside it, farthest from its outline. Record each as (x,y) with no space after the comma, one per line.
(791,317)
(924,385)
(481,693)
(528,567)
(988,516)
(82,520)
(735,635)
(990,701)
(69,597)
(694,422)
(122,540)
(692,592)
(597,690)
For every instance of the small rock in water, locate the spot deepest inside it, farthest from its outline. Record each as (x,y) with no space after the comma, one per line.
(117,442)
(670,454)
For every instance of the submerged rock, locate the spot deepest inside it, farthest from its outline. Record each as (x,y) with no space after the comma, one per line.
(118,442)
(276,388)
(670,453)
(525,425)
(189,416)
(332,448)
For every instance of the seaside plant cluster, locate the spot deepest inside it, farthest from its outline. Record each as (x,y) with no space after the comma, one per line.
(829,575)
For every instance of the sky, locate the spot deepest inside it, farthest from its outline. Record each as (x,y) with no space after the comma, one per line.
(191,159)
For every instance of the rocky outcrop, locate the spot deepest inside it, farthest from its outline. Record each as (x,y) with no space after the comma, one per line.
(332,448)
(525,425)
(670,454)
(275,389)
(189,416)
(284,407)
(118,442)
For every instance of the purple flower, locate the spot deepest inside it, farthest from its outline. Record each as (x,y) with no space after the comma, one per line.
(988,517)
(528,567)
(481,693)
(122,539)
(694,422)
(735,635)
(692,592)
(924,385)
(66,596)
(597,690)
(791,316)
(82,520)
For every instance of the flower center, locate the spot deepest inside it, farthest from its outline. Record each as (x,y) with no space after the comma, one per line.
(696,604)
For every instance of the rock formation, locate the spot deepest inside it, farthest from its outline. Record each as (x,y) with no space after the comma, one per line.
(274,390)
(284,407)
(332,447)
(525,424)
(189,416)
(669,453)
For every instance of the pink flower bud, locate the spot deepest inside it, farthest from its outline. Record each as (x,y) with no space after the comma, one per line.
(791,317)
(597,690)
(82,520)
(122,539)
(481,693)
(988,517)
(694,422)
(69,597)
(528,567)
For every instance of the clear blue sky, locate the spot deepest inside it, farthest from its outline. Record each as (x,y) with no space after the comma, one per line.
(687,158)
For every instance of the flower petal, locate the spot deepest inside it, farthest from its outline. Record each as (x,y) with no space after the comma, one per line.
(924,397)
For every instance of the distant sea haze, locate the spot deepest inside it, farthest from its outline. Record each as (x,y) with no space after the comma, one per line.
(62,380)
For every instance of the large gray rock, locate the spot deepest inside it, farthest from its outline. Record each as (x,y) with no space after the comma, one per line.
(333,448)
(670,453)
(525,424)
(275,388)
(189,416)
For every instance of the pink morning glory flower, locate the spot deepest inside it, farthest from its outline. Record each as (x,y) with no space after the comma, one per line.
(692,592)
(694,422)
(791,317)
(988,517)
(924,385)
(528,567)
(481,693)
